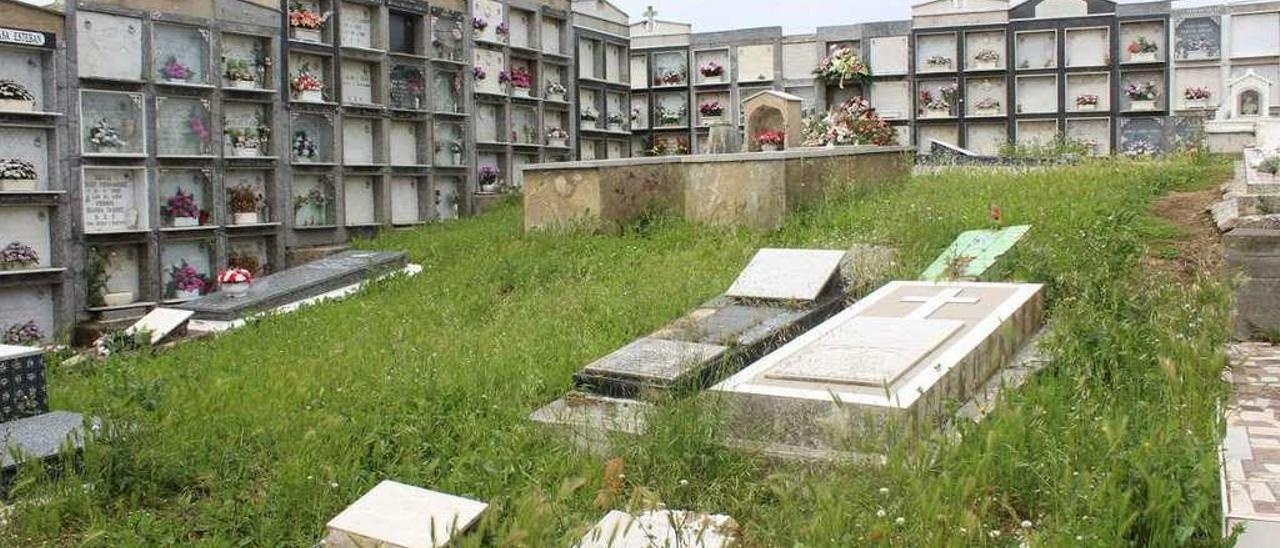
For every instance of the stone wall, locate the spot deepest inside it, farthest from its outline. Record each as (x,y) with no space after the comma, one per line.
(752,190)
(1249,217)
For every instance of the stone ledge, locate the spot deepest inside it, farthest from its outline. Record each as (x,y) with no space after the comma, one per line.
(793,154)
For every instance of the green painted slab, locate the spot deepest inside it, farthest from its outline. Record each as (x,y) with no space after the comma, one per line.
(973,253)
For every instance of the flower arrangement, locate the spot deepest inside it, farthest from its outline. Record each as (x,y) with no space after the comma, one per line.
(17,169)
(502,30)
(174,71)
(853,122)
(670,77)
(17,255)
(1197,94)
(556,88)
(185,280)
(1141,91)
(520,78)
(988,56)
(182,205)
(711,108)
(771,137)
(1087,100)
(842,66)
(240,70)
(1142,45)
(615,119)
(305,81)
(247,138)
(940,101)
(478,73)
(245,199)
(671,116)
(235,281)
(23,334)
(1270,166)
(304,148)
(489,176)
(196,123)
(13,91)
(1203,46)
(315,198)
(987,103)
(479,23)
(244,261)
(301,17)
(103,135)
(1139,147)
(589,113)
(711,70)
(938,61)
(557,134)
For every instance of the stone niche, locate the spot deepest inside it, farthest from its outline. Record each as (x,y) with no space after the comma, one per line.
(184,127)
(362,141)
(112,123)
(936,53)
(1037,132)
(256,180)
(772,110)
(361,83)
(1089,47)
(892,99)
(524,125)
(33,145)
(31,69)
(1134,32)
(447,35)
(1082,85)
(449,144)
(1207,77)
(406,200)
(942,133)
(448,191)
(361,26)
(313,201)
(446,91)
(246,118)
(29,226)
(180,55)
(19,305)
(491,123)
(753,190)
(1037,94)
(639,71)
(755,63)
(710,97)
(707,58)
(360,199)
(639,111)
(490,14)
(109,46)
(985,50)
(1036,49)
(552,36)
(250,253)
(311,140)
(179,260)
(115,200)
(1094,132)
(491,64)
(986,97)
(317,66)
(1142,136)
(1255,35)
(196,183)
(986,138)
(889,55)
(1198,38)
(408,143)
(122,270)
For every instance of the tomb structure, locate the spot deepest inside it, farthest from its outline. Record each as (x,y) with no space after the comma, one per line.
(28,429)
(395,515)
(893,362)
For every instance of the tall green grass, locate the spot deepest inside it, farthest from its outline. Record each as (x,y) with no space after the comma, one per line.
(259,437)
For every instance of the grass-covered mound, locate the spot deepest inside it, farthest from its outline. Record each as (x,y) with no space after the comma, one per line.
(259,437)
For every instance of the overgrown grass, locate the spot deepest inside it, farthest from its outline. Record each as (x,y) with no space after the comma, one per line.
(259,437)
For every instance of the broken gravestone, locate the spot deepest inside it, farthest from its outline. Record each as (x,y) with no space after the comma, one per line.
(973,253)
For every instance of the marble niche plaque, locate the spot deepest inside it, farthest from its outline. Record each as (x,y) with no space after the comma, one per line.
(109,46)
(1037,94)
(408,87)
(448,194)
(891,99)
(315,65)
(359,141)
(312,139)
(551,36)
(358,26)
(124,285)
(30,144)
(19,305)
(359,83)
(446,35)
(639,111)
(986,139)
(404,200)
(984,50)
(491,63)
(313,201)
(177,257)
(1141,136)
(1088,47)
(491,14)
(183,127)
(1081,84)
(407,143)
(889,55)
(246,117)
(1036,49)
(986,97)
(489,125)
(1037,132)
(1150,31)
(359,201)
(112,123)
(115,199)
(639,71)
(943,133)
(521,30)
(1255,35)
(27,68)
(901,356)
(524,125)
(28,226)
(181,54)
(755,63)
(446,91)
(252,50)
(449,144)
(936,52)
(1095,132)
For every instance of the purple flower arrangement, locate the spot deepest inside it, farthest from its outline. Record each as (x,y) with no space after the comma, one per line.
(479,24)
(17,255)
(711,108)
(186,277)
(478,73)
(182,204)
(489,175)
(175,70)
(23,333)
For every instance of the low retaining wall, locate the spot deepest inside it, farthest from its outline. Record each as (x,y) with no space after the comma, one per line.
(755,190)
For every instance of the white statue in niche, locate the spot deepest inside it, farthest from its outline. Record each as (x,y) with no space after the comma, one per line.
(1249,103)
(1250,96)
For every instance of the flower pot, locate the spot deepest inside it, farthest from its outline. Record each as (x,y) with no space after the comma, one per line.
(310,96)
(987,111)
(709,120)
(1197,54)
(17,105)
(489,188)
(1142,105)
(520,92)
(768,147)
(244,84)
(185,222)
(985,65)
(557,97)
(9,267)
(717,79)
(457,159)
(18,185)
(1144,57)
(615,126)
(1087,108)
(935,113)
(119,298)
(235,290)
(244,218)
(558,143)
(246,152)
(186,294)
(1195,103)
(306,35)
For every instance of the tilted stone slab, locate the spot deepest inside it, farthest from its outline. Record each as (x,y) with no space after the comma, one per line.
(297,283)
(787,274)
(40,437)
(892,362)
(661,528)
(647,363)
(973,253)
(395,515)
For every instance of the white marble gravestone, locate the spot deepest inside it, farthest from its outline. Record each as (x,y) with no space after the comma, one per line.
(889,55)
(115,199)
(404,200)
(357,26)
(893,360)
(395,515)
(787,274)
(161,322)
(404,143)
(109,46)
(755,63)
(358,141)
(661,528)
(359,202)
(357,83)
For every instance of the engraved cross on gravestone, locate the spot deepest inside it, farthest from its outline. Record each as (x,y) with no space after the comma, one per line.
(929,305)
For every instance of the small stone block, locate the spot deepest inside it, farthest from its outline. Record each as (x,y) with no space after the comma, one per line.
(787,274)
(661,528)
(395,515)
(651,362)
(161,322)
(39,437)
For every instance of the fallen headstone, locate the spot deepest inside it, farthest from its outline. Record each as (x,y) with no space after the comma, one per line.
(661,528)
(28,430)
(894,361)
(973,253)
(160,323)
(395,515)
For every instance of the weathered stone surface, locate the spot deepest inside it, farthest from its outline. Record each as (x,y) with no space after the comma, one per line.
(753,190)
(647,363)
(161,322)
(395,515)
(297,283)
(22,382)
(661,528)
(1257,308)
(818,392)
(973,253)
(39,437)
(787,274)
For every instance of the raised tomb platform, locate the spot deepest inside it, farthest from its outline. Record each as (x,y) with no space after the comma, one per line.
(754,190)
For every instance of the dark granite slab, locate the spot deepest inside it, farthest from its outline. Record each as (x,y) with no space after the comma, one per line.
(39,437)
(294,284)
(22,383)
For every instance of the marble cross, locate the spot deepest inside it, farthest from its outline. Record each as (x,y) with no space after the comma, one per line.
(649,14)
(929,305)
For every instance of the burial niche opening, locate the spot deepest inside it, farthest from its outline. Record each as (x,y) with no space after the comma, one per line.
(1250,101)
(762,118)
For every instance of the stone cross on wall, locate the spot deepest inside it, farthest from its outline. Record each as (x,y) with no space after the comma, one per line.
(649,15)
(929,305)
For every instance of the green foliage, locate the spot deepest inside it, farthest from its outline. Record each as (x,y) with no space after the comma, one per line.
(1270,165)
(1053,150)
(259,437)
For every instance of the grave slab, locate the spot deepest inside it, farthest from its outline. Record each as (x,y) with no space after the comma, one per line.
(890,363)
(161,322)
(395,515)
(661,528)
(787,274)
(973,253)
(647,363)
(295,284)
(39,437)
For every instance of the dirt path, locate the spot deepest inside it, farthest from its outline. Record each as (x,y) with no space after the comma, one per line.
(1198,250)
